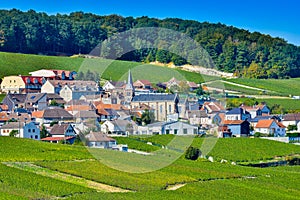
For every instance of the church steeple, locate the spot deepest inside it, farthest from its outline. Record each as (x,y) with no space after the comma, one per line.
(129,85)
(129,89)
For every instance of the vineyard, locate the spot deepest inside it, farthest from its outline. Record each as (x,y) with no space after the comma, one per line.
(201,178)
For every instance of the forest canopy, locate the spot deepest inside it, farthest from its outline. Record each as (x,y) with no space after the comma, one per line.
(246,54)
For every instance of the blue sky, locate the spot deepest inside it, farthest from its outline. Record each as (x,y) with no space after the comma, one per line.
(277,18)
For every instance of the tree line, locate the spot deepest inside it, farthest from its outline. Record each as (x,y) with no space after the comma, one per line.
(239,51)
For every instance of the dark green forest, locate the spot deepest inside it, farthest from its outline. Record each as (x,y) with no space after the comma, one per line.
(246,54)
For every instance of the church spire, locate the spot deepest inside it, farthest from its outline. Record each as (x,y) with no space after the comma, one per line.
(129,85)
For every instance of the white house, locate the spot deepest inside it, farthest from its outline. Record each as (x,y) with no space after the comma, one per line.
(270,126)
(100,140)
(119,127)
(176,128)
(24,130)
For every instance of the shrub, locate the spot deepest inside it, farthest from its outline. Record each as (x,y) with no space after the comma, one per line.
(192,153)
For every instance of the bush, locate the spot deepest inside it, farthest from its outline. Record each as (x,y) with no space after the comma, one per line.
(192,153)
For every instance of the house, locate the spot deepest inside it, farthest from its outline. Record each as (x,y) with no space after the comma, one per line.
(255,120)
(291,119)
(109,111)
(212,107)
(84,115)
(237,114)
(162,104)
(183,107)
(54,74)
(35,101)
(224,132)
(198,117)
(22,84)
(55,86)
(265,110)
(238,128)
(29,130)
(252,110)
(100,140)
(176,128)
(14,101)
(61,133)
(142,84)
(118,127)
(54,99)
(80,88)
(270,127)
(52,114)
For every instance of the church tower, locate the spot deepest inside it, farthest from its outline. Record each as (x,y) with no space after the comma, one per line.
(129,89)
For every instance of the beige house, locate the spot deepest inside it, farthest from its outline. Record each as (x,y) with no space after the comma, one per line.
(12,84)
(163,105)
(21,84)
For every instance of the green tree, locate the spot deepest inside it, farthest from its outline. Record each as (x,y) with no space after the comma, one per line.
(148,117)
(192,153)
(13,133)
(44,133)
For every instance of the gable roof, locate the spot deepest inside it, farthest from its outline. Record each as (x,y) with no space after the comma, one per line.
(53,112)
(3,116)
(197,113)
(292,117)
(98,137)
(86,114)
(3,107)
(236,111)
(267,123)
(59,129)
(34,97)
(144,82)
(17,98)
(12,125)
(154,97)
(212,106)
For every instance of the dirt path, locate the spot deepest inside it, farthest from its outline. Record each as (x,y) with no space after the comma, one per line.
(27,166)
(175,187)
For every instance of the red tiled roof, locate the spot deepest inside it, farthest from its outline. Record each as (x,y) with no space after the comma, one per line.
(57,138)
(228,122)
(37,114)
(267,123)
(3,116)
(32,79)
(79,108)
(4,107)
(144,82)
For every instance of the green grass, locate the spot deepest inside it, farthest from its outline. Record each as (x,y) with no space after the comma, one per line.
(203,179)
(19,183)
(18,149)
(136,144)
(251,149)
(283,87)
(15,64)
(2,97)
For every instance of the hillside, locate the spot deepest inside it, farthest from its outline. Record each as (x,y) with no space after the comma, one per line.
(36,170)
(15,64)
(247,54)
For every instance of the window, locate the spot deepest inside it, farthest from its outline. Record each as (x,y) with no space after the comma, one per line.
(175,131)
(184,131)
(31,136)
(170,108)
(29,130)
(167,131)
(36,137)
(33,130)
(195,131)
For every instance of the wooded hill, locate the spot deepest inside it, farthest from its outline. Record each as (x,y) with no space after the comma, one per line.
(253,55)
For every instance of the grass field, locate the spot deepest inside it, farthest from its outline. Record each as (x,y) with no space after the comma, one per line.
(201,179)
(281,86)
(15,64)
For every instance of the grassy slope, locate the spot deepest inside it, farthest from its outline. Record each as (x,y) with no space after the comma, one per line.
(150,185)
(15,64)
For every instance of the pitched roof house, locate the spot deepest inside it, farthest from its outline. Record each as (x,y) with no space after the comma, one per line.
(270,126)
(61,132)
(36,101)
(14,101)
(52,114)
(22,84)
(238,128)
(54,74)
(29,130)
(237,114)
(100,140)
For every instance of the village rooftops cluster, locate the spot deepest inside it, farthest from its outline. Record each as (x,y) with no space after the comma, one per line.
(67,107)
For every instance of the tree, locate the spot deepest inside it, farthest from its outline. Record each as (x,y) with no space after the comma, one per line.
(13,133)
(192,153)
(44,133)
(148,117)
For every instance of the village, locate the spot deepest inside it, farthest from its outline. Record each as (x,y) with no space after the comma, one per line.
(53,106)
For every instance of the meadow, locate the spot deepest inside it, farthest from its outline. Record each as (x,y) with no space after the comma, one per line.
(200,178)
